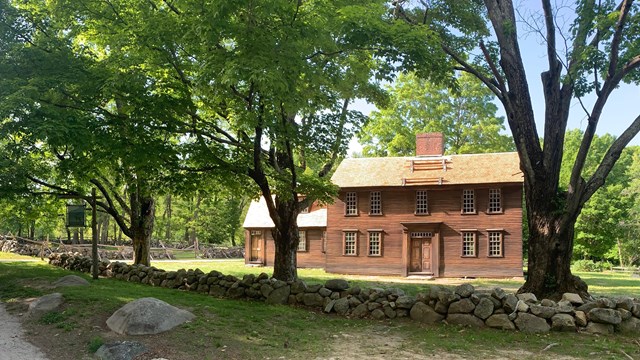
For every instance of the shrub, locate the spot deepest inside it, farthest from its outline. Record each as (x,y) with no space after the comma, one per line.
(590,266)
(95,344)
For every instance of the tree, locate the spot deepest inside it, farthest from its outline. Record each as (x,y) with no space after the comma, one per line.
(601,50)
(256,90)
(466,116)
(599,226)
(72,121)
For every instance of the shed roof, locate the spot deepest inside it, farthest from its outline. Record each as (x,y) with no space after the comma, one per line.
(258,217)
(432,170)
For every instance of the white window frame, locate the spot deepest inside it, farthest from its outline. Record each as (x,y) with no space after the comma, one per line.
(302,244)
(495,242)
(374,249)
(350,243)
(468,201)
(351,203)
(469,242)
(495,201)
(375,203)
(422,202)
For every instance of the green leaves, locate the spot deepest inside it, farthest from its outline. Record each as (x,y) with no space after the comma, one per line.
(466,117)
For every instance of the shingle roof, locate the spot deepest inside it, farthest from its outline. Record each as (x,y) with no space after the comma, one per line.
(258,217)
(439,170)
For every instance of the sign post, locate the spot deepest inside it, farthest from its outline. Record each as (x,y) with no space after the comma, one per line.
(94,235)
(76,218)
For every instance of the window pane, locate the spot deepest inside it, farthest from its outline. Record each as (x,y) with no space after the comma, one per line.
(468,244)
(495,201)
(302,245)
(375,243)
(351,204)
(375,202)
(350,243)
(422,205)
(495,243)
(468,202)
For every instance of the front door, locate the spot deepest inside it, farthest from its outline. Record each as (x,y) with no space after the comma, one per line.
(426,255)
(420,255)
(256,246)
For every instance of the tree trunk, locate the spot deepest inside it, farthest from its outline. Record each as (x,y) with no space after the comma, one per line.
(550,250)
(168,212)
(142,221)
(286,240)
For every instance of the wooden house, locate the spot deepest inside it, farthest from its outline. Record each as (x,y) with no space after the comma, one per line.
(259,246)
(431,214)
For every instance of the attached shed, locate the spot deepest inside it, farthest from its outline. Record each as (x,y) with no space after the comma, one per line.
(259,246)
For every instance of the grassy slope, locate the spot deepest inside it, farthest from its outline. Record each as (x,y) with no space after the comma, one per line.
(253,330)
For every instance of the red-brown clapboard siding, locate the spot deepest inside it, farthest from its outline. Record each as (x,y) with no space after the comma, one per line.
(398,205)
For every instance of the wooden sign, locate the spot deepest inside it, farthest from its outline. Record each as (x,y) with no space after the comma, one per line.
(76,216)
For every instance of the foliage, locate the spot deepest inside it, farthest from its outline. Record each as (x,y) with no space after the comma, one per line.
(95,344)
(601,223)
(465,115)
(590,266)
(598,51)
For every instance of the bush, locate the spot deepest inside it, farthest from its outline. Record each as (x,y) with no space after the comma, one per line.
(590,266)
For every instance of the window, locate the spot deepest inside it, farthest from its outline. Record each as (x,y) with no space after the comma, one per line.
(304,210)
(351,243)
(375,243)
(495,201)
(468,202)
(302,245)
(351,204)
(324,241)
(422,205)
(468,243)
(375,203)
(495,243)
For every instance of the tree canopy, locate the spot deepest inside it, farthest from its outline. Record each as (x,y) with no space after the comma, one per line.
(465,114)
(594,55)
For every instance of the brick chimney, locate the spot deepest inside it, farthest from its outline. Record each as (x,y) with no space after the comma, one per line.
(429,144)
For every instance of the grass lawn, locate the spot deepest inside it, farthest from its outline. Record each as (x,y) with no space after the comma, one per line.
(253,330)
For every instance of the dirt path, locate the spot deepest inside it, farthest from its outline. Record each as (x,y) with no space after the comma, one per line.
(12,344)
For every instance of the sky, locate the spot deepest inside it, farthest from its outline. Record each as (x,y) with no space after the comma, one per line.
(621,109)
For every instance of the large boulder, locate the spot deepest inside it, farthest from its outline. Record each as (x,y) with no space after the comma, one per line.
(629,326)
(147,316)
(531,323)
(424,313)
(44,304)
(462,306)
(279,295)
(465,320)
(120,350)
(500,321)
(71,280)
(337,284)
(604,316)
(484,309)
(546,312)
(563,322)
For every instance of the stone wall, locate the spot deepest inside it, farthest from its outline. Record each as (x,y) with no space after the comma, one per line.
(463,305)
(35,248)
